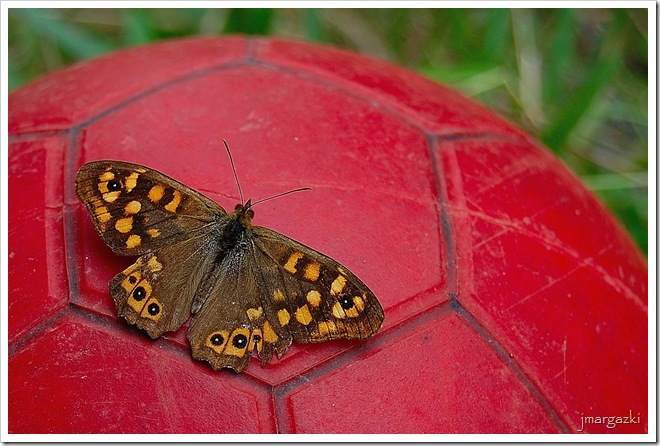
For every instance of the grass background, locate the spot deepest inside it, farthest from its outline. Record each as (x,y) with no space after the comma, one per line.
(577,79)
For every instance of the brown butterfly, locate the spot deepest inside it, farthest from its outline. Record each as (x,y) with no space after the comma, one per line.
(247,287)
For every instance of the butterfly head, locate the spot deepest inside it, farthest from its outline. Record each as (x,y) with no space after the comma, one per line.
(244,212)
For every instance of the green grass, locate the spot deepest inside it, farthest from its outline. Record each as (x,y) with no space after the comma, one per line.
(577,79)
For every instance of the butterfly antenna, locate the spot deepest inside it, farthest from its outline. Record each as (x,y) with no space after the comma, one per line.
(233,168)
(282,194)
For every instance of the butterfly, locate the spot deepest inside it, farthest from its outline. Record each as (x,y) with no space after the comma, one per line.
(246,287)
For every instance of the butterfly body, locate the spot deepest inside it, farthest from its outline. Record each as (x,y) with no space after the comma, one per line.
(246,287)
(234,230)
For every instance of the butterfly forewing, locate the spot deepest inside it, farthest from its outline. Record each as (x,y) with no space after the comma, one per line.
(310,295)
(137,210)
(157,291)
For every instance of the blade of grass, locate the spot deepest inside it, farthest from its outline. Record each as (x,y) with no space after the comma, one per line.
(249,21)
(14,78)
(312,24)
(559,130)
(560,56)
(73,40)
(619,180)
(497,34)
(529,62)
(136,27)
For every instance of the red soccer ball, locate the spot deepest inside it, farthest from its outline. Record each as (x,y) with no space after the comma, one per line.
(513,301)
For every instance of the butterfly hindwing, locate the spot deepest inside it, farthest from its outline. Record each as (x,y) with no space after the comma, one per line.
(232,322)
(138,210)
(157,291)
